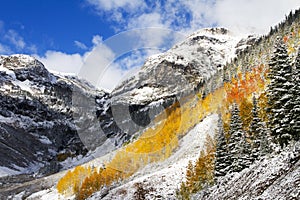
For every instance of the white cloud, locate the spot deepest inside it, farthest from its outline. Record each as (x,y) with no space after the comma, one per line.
(255,16)
(97,39)
(146,20)
(80,45)
(117,8)
(4,49)
(61,62)
(115,4)
(96,62)
(13,37)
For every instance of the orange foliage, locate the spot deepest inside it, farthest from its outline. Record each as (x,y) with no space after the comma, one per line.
(246,85)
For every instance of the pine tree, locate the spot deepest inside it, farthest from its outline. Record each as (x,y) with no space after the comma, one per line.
(222,162)
(247,157)
(255,119)
(235,144)
(296,102)
(257,131)
(265,140)
(279,94)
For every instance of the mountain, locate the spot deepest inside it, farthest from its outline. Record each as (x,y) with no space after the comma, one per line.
(36,117)
(49,119)
(166,78)
(193,122)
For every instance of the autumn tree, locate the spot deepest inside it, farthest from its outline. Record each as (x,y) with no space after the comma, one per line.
(200,174)
(246,116)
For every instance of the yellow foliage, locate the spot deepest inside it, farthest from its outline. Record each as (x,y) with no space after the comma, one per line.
(71,182)
(201,173)
(245,112)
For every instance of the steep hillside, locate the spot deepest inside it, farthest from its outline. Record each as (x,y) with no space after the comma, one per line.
(275,177)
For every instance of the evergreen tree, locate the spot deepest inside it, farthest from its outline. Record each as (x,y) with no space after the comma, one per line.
(296,102)
(265,139)
(279,94)
(247,157)
(235,141)
(258,132)
(255,119)
(222,162)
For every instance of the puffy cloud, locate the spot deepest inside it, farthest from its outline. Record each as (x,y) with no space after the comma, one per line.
(61,62)
(255,16)
(116,8)
(96,63)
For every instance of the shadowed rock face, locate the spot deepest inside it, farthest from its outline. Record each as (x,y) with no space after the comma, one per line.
(36,122)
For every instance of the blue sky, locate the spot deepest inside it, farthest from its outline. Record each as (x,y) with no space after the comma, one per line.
(64,33)
(54,24)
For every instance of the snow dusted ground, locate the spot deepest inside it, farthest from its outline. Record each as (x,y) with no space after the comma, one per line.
(51,193)
(163,178)
(276,177)
(4,171)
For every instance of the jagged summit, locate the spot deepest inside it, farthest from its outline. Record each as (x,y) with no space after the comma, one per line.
(25,67)
(18,61)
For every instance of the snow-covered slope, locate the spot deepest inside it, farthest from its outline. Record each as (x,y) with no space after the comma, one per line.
(276,177)
(163,178)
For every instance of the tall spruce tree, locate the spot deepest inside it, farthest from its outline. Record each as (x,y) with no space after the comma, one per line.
(266,145)
(254,125)
(279,94)
(257,131)
(296,102)
(235,144)
(222,162)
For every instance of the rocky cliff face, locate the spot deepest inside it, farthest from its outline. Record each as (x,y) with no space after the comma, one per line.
(37,130)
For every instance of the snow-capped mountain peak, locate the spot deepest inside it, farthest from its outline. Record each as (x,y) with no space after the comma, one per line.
(184,67)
